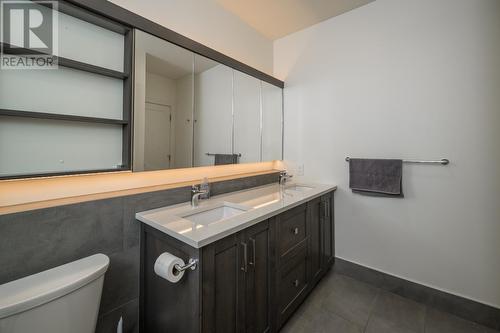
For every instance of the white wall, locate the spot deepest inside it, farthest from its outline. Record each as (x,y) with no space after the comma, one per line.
(210,24)
(405,79)
(160,89)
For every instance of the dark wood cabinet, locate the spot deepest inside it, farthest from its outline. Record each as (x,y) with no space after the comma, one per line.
(236,282)
(292,283)
(251,281)
(165,306)
(292,278)
(328,231)
(321,236)
(291,227)
(315,222)
(222,292)
(258,278)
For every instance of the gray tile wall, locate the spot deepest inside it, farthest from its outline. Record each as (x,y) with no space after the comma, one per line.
(37,240)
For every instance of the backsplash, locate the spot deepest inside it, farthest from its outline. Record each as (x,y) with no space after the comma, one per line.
(37,240)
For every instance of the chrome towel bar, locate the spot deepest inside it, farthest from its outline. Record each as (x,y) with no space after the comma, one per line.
(442,161)
(212,154)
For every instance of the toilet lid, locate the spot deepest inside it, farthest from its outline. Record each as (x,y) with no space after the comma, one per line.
(34,290)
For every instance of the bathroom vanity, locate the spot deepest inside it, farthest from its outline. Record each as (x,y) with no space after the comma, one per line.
(259,253)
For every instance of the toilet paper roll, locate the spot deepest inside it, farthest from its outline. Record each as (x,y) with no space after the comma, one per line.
(165,267)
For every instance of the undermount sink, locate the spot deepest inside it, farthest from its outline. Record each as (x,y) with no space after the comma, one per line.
(211,214)
(263,200)
(298,188)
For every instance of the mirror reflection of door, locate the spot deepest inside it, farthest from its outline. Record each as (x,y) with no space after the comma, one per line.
(157,154)
(163,105)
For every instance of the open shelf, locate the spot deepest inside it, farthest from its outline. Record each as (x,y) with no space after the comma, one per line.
(55,116)
(69,63)
(62,173)
(65,62)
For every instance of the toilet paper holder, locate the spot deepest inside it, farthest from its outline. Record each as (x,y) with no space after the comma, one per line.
(192,264)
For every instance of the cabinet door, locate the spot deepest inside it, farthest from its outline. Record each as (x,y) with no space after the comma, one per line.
(272,122)
(328,233)
(257,298)
(247,120)
(223,278)
(213,114)
(315,221)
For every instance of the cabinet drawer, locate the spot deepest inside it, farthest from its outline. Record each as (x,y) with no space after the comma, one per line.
(291,229)
(292,284)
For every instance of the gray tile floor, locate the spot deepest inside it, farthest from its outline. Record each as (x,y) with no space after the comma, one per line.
(341,304)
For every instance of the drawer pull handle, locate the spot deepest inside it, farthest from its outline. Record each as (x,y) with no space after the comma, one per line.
(252,262)
(296,283)
(295,231)
(245,257)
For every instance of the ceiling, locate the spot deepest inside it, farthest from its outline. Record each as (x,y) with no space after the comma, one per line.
(177,69)
(169,60)
(278,18)
(164,68)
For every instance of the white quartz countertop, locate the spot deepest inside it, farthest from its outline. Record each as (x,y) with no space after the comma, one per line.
(251,206)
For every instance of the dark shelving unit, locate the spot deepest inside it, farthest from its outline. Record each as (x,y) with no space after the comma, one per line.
(125,76)
(70,63)
(58,116)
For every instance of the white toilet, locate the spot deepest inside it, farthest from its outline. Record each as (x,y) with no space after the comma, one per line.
(64,299)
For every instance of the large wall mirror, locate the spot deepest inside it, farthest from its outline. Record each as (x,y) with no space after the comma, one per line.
(193,111)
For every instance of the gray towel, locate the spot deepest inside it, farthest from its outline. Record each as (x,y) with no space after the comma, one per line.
(221,159)
(377,177)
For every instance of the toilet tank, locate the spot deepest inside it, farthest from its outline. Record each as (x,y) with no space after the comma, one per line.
(64,299)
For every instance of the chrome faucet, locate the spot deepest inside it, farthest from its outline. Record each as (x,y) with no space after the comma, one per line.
(197,191)
(195,195)
(284,177)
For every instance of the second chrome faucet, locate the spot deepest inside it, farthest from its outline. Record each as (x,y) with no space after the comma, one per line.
(284,177)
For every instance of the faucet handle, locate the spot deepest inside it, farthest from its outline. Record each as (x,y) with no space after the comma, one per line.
(285,175)
(195,188)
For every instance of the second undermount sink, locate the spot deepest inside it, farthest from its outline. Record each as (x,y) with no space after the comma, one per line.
(298,188)
(211,214)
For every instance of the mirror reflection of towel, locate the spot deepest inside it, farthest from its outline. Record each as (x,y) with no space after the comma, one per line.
(222,159)
(377,177)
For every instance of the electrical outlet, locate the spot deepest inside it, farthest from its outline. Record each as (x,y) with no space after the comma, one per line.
(300,170)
